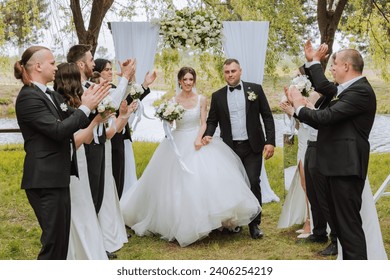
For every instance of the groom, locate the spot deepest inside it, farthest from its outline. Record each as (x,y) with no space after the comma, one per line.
(237,108)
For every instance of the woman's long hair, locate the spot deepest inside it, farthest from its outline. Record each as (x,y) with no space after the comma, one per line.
(67,82)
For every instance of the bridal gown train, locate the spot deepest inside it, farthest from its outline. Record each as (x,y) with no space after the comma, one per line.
(371,227)
(85,239)
(183,206)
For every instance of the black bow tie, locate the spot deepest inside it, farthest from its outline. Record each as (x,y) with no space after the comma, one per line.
(48,91)
(87,85)
(238,87)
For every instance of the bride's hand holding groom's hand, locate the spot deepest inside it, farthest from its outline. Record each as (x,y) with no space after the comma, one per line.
(198,144)
(206,140)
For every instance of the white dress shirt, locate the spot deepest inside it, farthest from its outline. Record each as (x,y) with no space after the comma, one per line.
(237,111)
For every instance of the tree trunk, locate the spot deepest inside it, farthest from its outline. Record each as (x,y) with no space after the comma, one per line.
(98,12)
(328,20)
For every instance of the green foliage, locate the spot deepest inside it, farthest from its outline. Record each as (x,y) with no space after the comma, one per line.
(23,21)
(20,232)
(366,26)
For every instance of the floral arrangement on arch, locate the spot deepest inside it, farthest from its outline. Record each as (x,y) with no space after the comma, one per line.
(191,28)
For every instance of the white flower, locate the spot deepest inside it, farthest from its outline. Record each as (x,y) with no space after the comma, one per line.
(170,111)
(181,28)
(303,84)
(101,108)
(64,107)
(135,90)
(252,96)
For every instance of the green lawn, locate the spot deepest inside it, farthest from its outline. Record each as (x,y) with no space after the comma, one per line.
(19,230)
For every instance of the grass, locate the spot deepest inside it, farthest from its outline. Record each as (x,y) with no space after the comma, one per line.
(19,230)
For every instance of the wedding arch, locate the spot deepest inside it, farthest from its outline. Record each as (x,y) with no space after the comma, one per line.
(243,40)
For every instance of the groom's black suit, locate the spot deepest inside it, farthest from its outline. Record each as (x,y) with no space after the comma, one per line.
(249,151)
(343,153)
(47,131)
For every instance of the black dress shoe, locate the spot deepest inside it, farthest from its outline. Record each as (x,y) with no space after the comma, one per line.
(314,239)
(111,256)
(255,232)
(331,250)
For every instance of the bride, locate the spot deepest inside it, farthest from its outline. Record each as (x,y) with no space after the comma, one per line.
(187,206)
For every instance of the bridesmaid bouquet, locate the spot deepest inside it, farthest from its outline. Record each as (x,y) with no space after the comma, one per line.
(303,84)
(135,91)
(106,106)
(170,111)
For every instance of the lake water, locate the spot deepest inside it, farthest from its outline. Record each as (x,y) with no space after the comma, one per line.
(152,130)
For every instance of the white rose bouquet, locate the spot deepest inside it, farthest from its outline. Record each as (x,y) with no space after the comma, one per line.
(106,105)
(135,91)
(303,84)
(170,111)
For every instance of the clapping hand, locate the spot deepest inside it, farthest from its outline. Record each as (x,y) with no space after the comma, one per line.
(126,110)
(95,94)
(149,79)
(127,69)
(318,54)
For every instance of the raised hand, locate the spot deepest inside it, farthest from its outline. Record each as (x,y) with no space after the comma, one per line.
(126,110)
(320,53)
(309,51)
(127,69)
(95,94)
(149,78)
(295,97)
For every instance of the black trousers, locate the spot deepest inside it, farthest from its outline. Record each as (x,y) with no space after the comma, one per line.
(344,194)
(252,163)
(316,193)
(118,162)
(96,167)
(52,209)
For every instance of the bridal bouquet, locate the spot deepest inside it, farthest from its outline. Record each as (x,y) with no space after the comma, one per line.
(303,84)
(170,111)
(135,90)
(106,105)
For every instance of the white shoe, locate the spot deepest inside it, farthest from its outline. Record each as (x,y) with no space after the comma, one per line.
(303,235)
(299,230)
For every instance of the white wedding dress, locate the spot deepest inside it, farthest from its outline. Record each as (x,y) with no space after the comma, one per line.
(183,206)
(85,239)
(110,216)
(371,227)
(267,194)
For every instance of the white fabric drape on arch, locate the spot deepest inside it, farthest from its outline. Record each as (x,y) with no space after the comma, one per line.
(247,42)
(136,40)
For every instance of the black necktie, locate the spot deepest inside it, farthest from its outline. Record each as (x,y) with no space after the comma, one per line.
(238,87)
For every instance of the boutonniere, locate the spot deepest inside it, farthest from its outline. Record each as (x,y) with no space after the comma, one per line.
(335,98)
(252,96)
(64,107)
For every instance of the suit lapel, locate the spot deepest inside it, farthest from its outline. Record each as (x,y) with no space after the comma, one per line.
(50,104)
(247,103)
(225,102)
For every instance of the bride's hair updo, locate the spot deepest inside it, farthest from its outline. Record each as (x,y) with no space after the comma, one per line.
(184,70)
(21,67)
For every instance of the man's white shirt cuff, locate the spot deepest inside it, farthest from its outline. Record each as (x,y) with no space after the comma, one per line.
(309,64)
(85,109)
